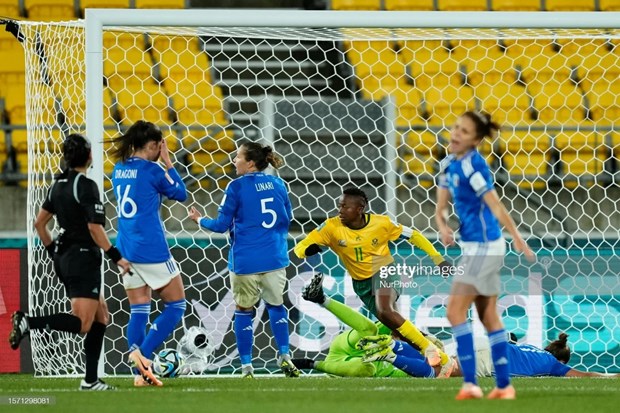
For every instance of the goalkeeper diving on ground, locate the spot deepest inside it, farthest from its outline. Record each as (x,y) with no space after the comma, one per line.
(369,349)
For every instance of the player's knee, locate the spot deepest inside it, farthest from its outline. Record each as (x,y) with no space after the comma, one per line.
(87,323)
(366,370)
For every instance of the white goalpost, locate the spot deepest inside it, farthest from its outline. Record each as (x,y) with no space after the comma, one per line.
(361,98)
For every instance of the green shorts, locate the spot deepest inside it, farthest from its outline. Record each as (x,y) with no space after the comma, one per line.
(365,289)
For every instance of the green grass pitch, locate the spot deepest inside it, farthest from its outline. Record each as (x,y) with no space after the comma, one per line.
(308,394)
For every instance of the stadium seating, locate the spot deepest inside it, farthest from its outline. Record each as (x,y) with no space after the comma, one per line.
(356,4)
(609,5)
(197,102)
(582,156)
(9,8)
(604,98)
(527,158)
(508,102)
(408,100)
(104,4)
(420,156)
(570,5)
(445,102)
(462,5)
(516,5)
(45,10)
(401,5)
(160,4)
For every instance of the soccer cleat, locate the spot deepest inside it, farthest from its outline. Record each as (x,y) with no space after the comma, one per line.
(144,366)
(384,354)
(247,372)
(287,367)
(20,329)
(314,291)
(370,343)
(507,393)
(303,364)
(469,391)
(432,355)
(446,369)
(99,385)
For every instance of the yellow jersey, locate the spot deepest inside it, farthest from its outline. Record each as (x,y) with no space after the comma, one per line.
(363,251)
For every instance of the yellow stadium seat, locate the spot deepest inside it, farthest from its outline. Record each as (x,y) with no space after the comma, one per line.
(609,5)
(421,5)
(147,101)
(527,158)
(570,5)
(604,97)
(508,103)
(160,4)
(19,138)
(15,103)
(581,155)
(181,58)
(220,141)
(523,48)
(356,4)
(2,141)
(197,102)
(545,68)
(408,101)
(419,156)
(50,9)
(473,50)
(462,5)
(9,8)
(560,103)
(516,5)
(436,72)
(601,64)
(446,102)
(491,70)
(104,4)
(12,69)
(412,51)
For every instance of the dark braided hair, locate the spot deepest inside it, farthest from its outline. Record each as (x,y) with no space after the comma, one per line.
(559,348)
(485,127)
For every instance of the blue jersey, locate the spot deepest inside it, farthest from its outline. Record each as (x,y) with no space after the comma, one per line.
(257,212)
(468,179)
(139,187)
(526,360)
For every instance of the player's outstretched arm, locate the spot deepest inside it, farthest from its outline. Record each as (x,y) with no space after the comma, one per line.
(441,217)
(504,218)
(579,373)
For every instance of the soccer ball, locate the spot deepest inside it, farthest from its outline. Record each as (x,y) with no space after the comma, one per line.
(168,363)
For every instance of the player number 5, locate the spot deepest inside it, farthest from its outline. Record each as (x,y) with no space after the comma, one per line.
(265,210)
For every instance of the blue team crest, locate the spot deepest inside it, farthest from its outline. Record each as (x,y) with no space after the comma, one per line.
(454,178)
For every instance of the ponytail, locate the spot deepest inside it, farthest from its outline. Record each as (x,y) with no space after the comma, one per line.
(485,127)
(136,138)
(262,155)
(559,348)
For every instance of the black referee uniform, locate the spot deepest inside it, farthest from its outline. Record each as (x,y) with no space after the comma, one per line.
(74,199)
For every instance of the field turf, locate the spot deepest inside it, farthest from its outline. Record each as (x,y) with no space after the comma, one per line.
(309,394)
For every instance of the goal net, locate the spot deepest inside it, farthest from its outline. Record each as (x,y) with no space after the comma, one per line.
(370,107)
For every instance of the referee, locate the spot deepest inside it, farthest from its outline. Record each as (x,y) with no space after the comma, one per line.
(76,253)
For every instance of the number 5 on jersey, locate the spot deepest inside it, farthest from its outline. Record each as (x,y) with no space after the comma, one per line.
(268,211)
